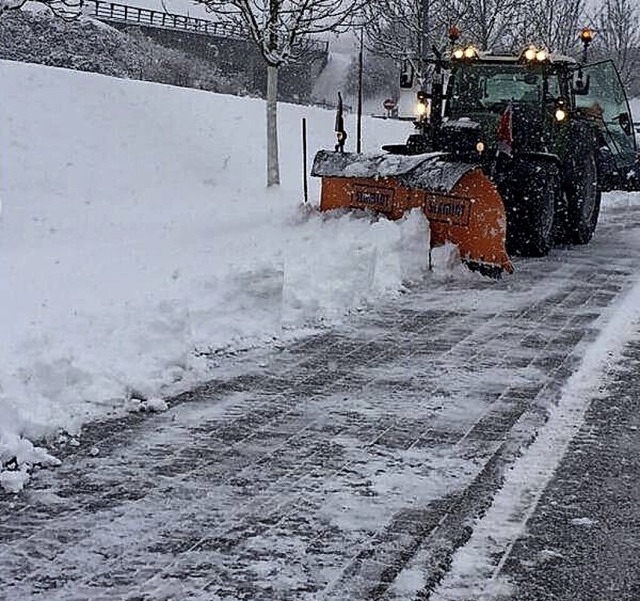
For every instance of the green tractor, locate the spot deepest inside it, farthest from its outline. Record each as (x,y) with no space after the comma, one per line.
(550,133)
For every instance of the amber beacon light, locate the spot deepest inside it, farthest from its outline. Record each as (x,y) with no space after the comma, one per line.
(586,35)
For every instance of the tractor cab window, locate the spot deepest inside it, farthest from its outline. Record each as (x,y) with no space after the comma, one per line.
(492,87)
(606,103)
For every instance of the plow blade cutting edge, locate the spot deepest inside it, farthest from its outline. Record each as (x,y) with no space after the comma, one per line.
(462,205)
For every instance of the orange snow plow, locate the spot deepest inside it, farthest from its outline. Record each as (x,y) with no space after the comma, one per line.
(461,204)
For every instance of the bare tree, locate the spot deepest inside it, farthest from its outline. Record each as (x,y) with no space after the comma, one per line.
(396,29)
(618,36)
(552,24)
(280,29)
(66,9)
(486,23)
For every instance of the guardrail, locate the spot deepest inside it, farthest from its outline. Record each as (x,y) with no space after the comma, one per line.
(110,11)
(122,13)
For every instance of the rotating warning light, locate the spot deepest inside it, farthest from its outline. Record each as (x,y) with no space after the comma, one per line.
(586,35)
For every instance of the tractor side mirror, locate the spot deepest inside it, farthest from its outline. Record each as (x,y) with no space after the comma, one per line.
(625,123)
(581,86)
(406,75)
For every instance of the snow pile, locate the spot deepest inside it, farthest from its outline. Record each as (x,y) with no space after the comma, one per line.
(17,456)
(137,239)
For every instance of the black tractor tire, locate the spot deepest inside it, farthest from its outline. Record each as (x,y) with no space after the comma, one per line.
(583,196)
(531,209)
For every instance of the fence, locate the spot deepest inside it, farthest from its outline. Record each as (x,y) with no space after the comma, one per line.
(110,11)
(122,13)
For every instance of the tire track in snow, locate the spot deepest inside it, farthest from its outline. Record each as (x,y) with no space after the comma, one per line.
(445,527)
(421,340)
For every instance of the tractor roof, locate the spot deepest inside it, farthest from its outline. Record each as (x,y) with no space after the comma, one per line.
(471,55)
(488,57)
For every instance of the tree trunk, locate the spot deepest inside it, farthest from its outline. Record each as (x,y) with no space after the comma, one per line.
(273,167)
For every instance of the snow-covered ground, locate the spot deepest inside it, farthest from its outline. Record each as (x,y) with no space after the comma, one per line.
(137,238)
(137,241)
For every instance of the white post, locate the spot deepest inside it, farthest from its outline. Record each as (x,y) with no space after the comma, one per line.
(273,167)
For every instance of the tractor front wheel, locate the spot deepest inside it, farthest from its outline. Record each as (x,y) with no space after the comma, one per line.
(531,210)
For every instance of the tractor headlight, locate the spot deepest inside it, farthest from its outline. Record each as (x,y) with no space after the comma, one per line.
(560,115)
(480,147)
(468,52)
(532,53)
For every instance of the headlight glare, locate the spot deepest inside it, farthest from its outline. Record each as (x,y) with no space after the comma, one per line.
(560,114)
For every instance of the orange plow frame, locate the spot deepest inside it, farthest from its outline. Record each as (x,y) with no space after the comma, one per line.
(471,216)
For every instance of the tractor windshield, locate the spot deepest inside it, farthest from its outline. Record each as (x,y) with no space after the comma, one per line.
(478,87)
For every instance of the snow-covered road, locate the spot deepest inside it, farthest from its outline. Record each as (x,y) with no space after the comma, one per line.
(352,464)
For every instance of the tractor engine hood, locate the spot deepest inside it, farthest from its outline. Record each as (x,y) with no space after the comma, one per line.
(460,134)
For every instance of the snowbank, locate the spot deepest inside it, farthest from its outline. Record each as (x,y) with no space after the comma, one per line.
(137,240)
(136,236)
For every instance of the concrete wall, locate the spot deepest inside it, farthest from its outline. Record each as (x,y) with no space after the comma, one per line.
(240,58)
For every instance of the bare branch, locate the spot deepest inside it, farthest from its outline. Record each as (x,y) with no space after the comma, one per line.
(279,27)
(618,37)
(552,24)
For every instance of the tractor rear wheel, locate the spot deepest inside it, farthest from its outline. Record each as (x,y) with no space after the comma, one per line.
(583,196)
(530,213)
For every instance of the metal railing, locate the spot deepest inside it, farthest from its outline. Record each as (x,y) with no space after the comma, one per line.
(122,13)
(110,11)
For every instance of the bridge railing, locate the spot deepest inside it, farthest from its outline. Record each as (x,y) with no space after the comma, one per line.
(110,11)
(122,13)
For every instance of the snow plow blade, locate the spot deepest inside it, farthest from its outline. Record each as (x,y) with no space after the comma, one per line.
(462,205)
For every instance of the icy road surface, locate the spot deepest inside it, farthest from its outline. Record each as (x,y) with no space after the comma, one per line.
(349,465)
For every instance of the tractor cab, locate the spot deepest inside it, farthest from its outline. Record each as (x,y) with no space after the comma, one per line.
(509,103)
(534,103)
